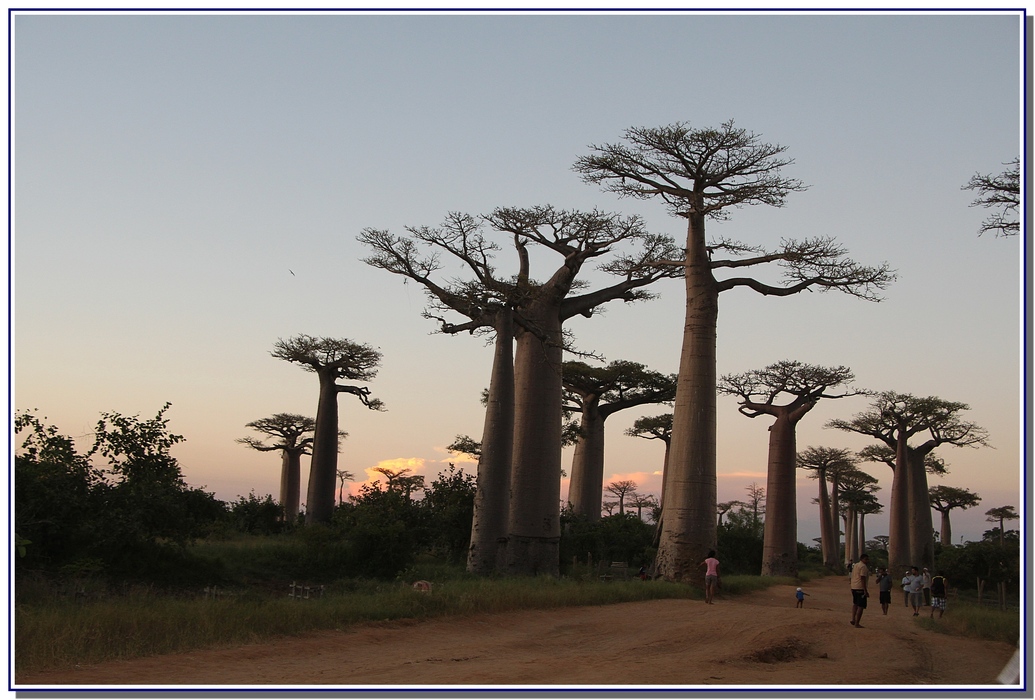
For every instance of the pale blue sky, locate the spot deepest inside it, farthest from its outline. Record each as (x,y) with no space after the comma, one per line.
(170,170)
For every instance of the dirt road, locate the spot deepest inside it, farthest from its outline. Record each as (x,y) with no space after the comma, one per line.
(757,639)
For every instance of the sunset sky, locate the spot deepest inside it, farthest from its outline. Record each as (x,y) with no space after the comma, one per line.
(188,188)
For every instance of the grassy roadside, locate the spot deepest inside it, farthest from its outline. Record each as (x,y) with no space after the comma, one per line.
(63,633)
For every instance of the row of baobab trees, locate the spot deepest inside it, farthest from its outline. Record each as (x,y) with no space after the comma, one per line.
(699,174)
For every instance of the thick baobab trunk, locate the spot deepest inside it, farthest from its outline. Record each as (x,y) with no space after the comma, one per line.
(828,545)
(780,534)
(534,525)
(921,525)
(851,541)
(290,483)
(862,533)
(946,529)
(899,554)
(585,490)
(492,496)
(688,529)
(324,470)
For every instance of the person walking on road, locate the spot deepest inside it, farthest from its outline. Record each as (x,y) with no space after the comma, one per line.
(884,584)
(916,590)
(711,576)
(938,595)
(860,590)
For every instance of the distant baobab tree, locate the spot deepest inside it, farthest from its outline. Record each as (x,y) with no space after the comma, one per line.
(948,498)
(343,476)
(598,393)
(725,507)
(639,501)
(332,359)
(655,428)
(828,463)
(802,386)
(1002,192)
(702,173)
(1001,515)
(293,437)
(621,490)
(893,419)
(401,480)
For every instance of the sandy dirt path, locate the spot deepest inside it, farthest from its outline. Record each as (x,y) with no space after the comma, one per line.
(756,639)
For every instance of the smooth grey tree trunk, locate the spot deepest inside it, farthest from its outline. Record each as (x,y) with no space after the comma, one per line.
(946,529)
(921,524)
(324,470)
(492,497)
(780,533)
(534,525)
(290,483)
(834,517)
(585,491)
(899,554)
(689,529)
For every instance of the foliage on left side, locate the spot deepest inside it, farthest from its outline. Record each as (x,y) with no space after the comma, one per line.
(121,508)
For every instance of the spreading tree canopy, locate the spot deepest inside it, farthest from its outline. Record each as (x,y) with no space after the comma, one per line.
(701,173)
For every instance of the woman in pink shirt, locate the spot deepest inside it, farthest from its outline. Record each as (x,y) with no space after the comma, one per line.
(711,576)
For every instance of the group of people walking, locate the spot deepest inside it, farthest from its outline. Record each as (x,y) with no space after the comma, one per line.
(920,588)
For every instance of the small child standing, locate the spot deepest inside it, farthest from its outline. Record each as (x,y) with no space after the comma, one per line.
(799,595)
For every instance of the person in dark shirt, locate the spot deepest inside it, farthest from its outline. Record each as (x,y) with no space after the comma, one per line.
(938,594)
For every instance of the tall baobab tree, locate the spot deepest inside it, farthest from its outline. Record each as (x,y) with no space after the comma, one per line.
(945,499)
(487,304)
(757,504)
(702,173)
(621,490)
(539,310)
(824,463)
(1002,192)
(1001,515)
(332,359)
(293,437)
(802,386)
(856,489)
(578,238)
(893,419)
(598,393)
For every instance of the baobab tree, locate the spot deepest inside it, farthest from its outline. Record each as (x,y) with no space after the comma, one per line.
(655,428)
(621,490)
(332,359)
(293,437)
(1001,192)
(756,503)
(1001,515)
(539,310)
(824,463)
(803,385)
(343,476)
(722,508)
(598,393)
(893,419)
(577,237)
(701,174)
(486,304)
(945,499)
(402,480)
(639,501)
